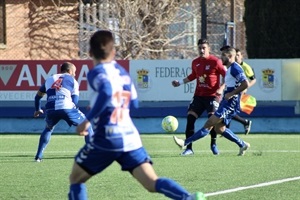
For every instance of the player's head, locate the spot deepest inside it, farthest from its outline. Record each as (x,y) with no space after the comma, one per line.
(228,55)
(239,56)
(69,68)
(102,45)
(203,48)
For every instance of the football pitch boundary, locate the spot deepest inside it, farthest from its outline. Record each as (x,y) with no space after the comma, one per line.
(149,135)
(152,151)
(253,186)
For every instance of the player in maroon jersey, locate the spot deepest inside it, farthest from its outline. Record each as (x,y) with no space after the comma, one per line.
(208,71)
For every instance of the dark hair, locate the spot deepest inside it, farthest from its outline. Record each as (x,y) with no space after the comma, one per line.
(65,67)
(237,50)
(225,47)
(202,41)
(229,50)
(101,44)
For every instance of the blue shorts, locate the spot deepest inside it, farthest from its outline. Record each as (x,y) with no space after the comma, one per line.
(94,160)
(71,116)
(227,110)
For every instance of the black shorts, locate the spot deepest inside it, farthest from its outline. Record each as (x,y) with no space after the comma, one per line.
(200,104)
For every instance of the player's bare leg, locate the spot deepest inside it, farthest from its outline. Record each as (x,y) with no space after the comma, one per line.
(199,134)
(77,178)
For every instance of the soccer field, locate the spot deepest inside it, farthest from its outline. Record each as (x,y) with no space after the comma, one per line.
(269,170)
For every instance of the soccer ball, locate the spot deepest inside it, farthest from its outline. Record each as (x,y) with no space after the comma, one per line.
(169,124)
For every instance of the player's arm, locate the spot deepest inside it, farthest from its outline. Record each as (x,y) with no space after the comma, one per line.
(222,87)
(103,87)
(239,89)
(222,71)
(249,72)
(104,95)
(187,79)
(37,101)
(75,99)
(252,79)
(177,83)
(134,103)
(75,93)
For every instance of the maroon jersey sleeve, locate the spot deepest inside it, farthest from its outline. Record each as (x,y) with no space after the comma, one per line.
(221,68)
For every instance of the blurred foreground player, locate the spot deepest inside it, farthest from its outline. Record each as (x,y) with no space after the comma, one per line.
(116,137)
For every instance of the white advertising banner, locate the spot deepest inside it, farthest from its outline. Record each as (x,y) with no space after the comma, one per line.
(268,79)
(153,79)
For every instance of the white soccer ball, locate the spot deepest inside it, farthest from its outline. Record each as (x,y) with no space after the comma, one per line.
(169,124)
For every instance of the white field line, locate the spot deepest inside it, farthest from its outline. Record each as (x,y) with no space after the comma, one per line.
(155,151)
(33,152)
(261,136)
(252,186)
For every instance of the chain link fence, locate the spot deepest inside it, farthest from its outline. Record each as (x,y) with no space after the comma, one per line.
(144,29)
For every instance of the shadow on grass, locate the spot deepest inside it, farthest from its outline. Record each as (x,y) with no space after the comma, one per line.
(153,155)
(16,156)
(6,158)
(59,157)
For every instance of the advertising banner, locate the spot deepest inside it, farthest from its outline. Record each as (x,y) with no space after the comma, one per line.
(291,77)
(20,80)
(153,79)
(268,79)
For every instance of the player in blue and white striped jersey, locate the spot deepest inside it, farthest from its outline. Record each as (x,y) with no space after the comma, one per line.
(62,97)
(116,137)
(235,82)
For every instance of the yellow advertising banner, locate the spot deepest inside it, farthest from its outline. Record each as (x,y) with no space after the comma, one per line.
(291,79)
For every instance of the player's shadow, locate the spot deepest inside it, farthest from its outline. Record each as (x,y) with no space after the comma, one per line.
(59,158)
(6,159)
(163,155)
(16,156)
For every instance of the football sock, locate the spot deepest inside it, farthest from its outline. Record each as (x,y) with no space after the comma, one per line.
(213,136)
(44,140)
(228,134)
(199,134)
(77,192)
(190,126)
(170,189)
(240,119)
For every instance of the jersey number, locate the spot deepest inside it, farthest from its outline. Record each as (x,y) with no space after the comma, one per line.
(122,99)
(57,84)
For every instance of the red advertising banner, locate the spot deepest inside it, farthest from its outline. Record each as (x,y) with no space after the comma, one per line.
(20,76)
(30,75)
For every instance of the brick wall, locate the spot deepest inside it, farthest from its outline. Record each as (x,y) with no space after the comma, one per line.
(39,30)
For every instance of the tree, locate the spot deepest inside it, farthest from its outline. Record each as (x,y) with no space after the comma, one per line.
(144,29)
